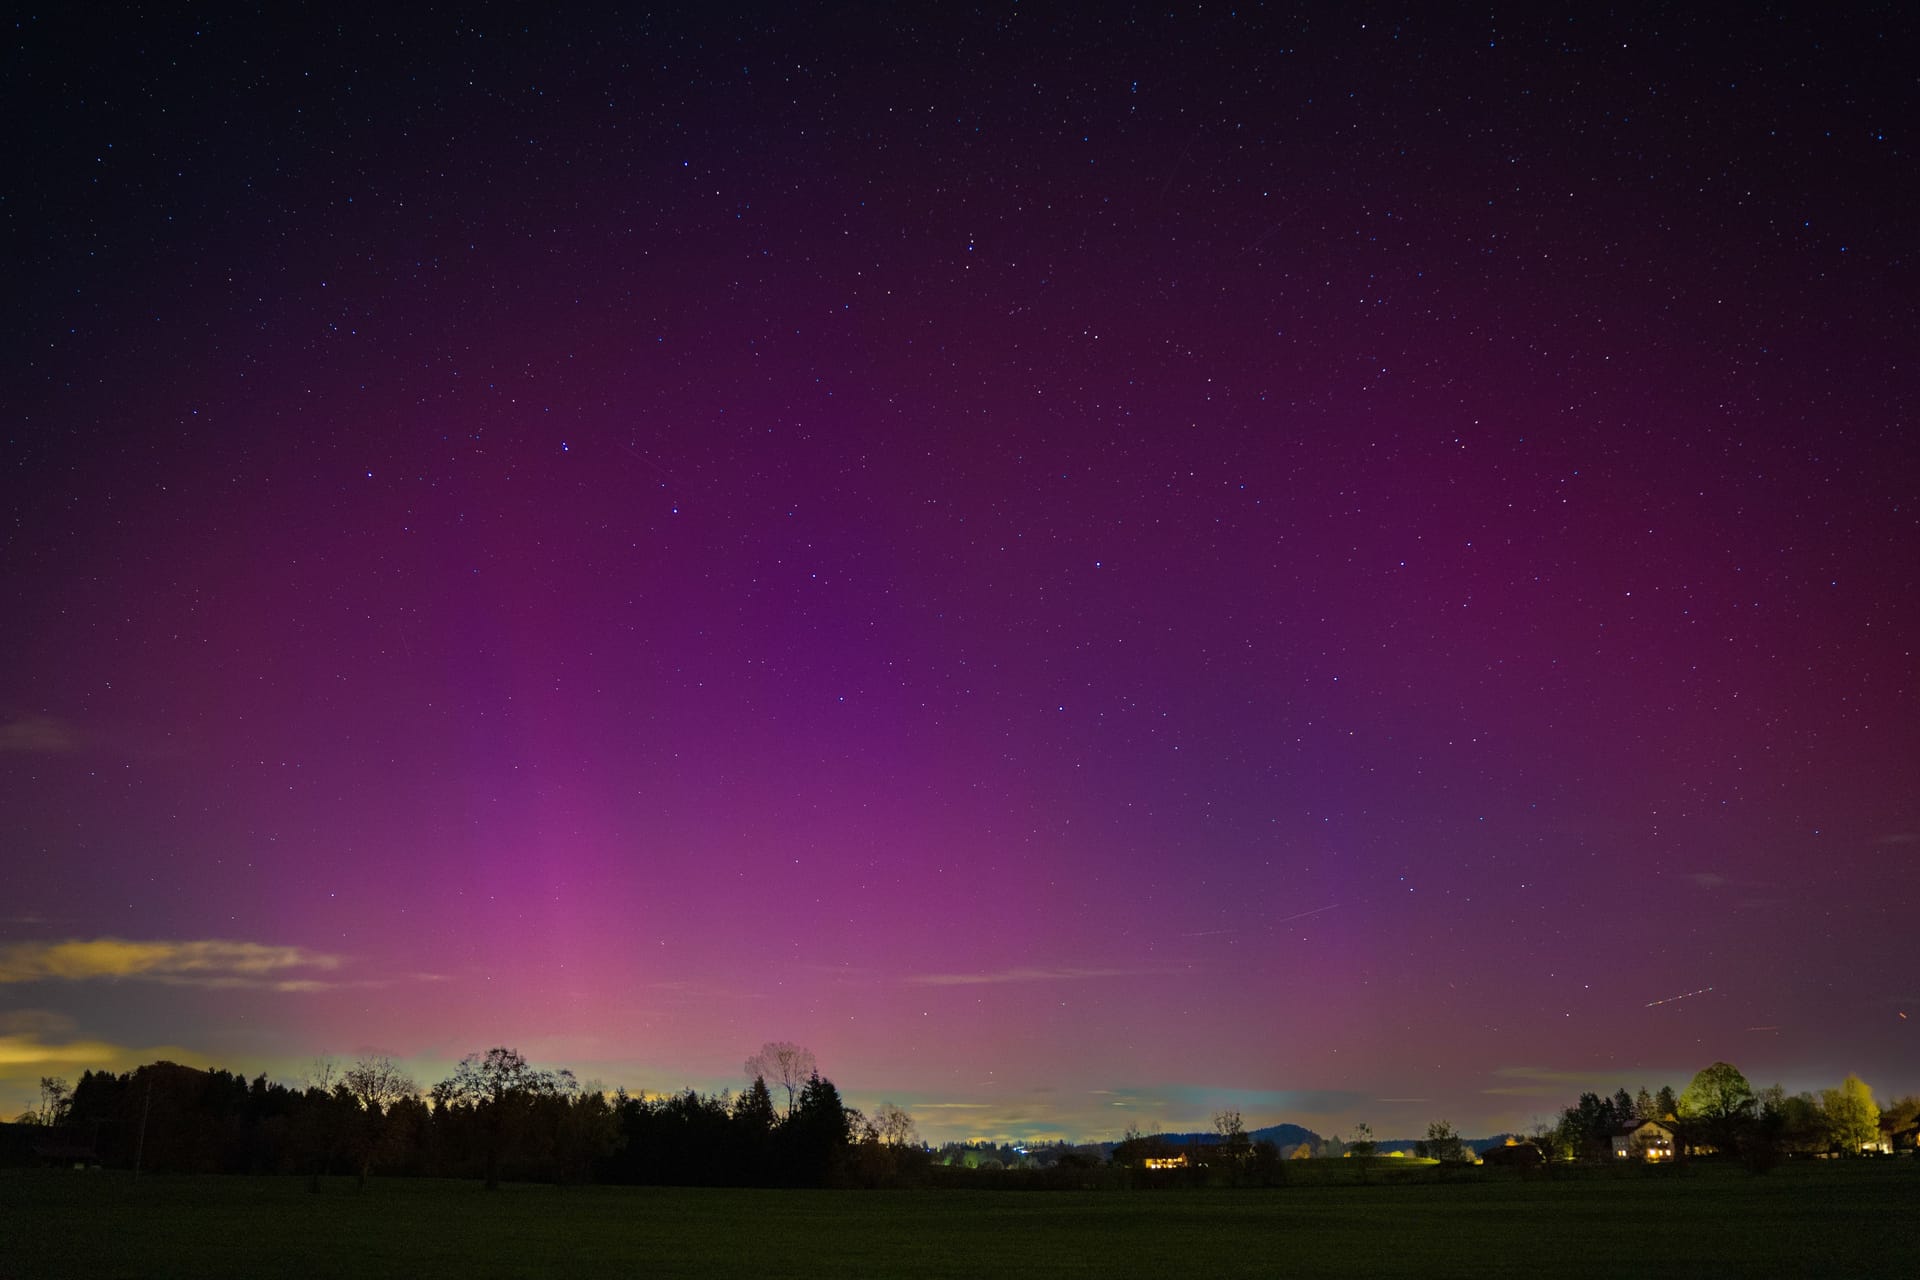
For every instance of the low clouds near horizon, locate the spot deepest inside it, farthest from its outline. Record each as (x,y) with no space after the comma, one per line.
(209,962)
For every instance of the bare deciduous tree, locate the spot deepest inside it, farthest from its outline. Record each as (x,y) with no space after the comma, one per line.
(377,1084)
(894,1125)
(55,1101)
(783,1065)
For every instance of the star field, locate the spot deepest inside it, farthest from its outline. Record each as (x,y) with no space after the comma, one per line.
(1085,566)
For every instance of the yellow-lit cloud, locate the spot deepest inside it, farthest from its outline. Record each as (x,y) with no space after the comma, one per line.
(29,1051)
(209,962)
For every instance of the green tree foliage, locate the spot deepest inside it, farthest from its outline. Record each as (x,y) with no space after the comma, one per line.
(1665,1105)
(1721,1102)
(1644,1107)
(1853,1120)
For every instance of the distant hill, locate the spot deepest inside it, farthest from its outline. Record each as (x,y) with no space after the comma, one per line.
(1286,1135)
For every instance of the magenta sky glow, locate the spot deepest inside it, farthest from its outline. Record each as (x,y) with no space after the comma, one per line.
(1083,567)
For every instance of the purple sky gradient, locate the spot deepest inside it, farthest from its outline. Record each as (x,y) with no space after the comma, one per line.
(1085,568)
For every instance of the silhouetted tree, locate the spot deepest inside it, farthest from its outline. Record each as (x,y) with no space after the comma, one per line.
(1554,1142)
(785,1065)
(499,1093)
(1588,1125)
(814,1139)
(753,1109)
(1135,1148)
(894,1126)
(1665,1105)
(1361,1148)
(376,1085)
(587,1130)
(56,1101)
(1441,1143)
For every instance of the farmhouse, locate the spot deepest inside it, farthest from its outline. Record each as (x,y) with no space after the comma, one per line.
(1647,1140)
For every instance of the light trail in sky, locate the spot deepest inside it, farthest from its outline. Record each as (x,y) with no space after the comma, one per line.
(1685,995)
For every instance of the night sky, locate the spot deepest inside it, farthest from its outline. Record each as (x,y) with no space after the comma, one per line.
(1086,565)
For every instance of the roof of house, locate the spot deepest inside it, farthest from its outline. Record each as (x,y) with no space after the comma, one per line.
(1621,1131)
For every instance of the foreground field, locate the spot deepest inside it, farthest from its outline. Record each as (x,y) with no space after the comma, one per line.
(1817,1220)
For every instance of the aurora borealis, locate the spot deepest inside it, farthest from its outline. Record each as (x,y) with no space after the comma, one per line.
(1084,566)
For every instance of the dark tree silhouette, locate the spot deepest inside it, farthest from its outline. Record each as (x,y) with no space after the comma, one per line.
(784,1065)
(815,1138)
(499,1092)
(753,1109)
(377,1086)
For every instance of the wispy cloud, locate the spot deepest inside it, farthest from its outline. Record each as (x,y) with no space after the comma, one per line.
(1020,975)
(202,963)
(39,735)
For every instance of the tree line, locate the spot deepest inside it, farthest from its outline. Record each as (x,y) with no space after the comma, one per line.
(499,1117)
(1719,1112)
(496,1117)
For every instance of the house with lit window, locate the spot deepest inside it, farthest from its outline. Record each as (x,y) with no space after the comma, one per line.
(1647,1140)
(1189,1155)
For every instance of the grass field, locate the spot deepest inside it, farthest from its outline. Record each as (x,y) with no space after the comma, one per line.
(1839,1219)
